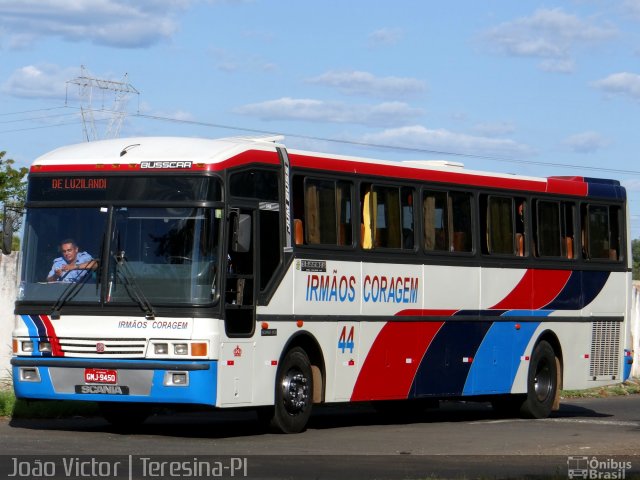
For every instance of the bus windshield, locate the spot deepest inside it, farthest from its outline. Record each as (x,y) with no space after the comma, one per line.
(166,254)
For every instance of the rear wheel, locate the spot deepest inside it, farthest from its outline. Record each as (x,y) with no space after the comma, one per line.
(294,393)
(542,382)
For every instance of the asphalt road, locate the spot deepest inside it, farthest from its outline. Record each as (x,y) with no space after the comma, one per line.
(458,440)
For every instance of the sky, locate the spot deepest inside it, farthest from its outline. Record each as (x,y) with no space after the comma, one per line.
(523,87)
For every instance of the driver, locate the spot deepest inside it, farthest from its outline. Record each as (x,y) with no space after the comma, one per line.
(72,265)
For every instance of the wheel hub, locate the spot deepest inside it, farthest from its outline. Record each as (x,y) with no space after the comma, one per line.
(295,389)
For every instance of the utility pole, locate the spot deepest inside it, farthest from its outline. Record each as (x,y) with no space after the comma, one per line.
(118,93)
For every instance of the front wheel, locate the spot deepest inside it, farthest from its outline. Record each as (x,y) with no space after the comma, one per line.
(542,382)
(294,393)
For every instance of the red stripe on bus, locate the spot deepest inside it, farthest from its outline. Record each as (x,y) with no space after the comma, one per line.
(536,289)
(391,365)
(56,350)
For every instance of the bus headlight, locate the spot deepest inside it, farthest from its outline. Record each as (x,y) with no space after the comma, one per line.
(44,347)
(181,349)
(27,346)
(160,348)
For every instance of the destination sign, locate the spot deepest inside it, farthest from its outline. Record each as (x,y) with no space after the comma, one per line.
(82,183)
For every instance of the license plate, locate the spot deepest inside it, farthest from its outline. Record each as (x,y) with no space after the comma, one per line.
(98,375)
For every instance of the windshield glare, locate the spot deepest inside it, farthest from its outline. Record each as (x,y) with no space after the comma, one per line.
(168,254)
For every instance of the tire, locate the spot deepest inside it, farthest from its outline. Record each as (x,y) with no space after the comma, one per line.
(542,382)
(294,393)
(125,416)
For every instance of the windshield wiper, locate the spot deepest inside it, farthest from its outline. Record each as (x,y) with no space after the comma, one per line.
(133,289)
(70,291)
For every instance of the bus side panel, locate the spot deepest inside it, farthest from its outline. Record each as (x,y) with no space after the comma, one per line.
(500,355)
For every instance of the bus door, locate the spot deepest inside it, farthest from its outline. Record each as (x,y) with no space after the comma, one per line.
(240,285)
(237,351)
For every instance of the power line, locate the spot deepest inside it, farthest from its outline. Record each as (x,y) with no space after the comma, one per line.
(395,147)
(31,111)
(43,117)
(345,142)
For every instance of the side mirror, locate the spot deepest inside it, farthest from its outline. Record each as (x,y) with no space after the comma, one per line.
(241,233)
(7,234)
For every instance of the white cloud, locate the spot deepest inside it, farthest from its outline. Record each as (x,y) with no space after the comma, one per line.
(586,142)
(117,23)
(39,81)
(623,83)
(562,65)
(494,129)
(365,83)
(381,115)
(418,136)
(231,62)
(549,34)
(385,36)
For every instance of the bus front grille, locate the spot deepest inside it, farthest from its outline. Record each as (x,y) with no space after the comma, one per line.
(103,347)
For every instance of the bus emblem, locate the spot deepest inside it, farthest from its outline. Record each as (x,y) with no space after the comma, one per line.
(100,347)
(237,352)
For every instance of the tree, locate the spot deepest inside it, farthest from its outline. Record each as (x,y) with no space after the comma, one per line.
(13,192)
(635,249)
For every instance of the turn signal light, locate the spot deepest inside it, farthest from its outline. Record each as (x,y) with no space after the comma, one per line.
(199,349)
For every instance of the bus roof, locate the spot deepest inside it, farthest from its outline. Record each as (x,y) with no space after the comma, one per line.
(169,153)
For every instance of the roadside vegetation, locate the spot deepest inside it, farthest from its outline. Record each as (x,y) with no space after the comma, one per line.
(630,387)
(14,408)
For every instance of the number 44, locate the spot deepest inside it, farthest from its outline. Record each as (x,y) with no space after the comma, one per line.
(345,341)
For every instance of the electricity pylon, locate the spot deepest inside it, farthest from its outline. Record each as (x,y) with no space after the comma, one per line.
(120,91)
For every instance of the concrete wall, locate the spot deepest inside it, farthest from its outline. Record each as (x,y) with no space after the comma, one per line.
(635,328)
(8,290)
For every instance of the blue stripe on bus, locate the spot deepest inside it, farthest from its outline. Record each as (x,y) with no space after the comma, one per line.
(37,332)
(497,360)
(581,289)
(31,326)
(443,370)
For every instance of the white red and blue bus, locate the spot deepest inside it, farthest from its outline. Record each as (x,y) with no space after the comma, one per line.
(236,273)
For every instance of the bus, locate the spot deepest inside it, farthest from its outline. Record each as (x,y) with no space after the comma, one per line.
(237,273)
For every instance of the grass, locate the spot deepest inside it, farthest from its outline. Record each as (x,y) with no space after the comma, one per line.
(14,408)
(630,387)
(7,403)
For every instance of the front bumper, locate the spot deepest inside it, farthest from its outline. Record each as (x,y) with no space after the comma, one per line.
(147,381)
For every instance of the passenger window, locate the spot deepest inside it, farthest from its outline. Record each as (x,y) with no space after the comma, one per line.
(436,224)
(447,221)
(504,224)
(549,238)
(500,225)
(326,218)
(601,232)
(387,217)
(554,230)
